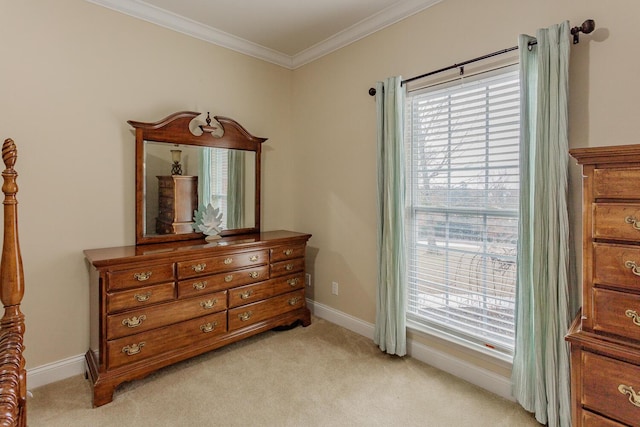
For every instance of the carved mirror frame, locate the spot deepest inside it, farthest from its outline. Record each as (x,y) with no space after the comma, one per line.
(175,129)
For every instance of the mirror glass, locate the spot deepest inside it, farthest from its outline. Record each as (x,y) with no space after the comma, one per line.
(222,177)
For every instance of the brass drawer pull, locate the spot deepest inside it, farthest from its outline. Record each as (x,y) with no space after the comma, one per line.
(253,258)
(635,269)
(132,349)
(287,252)
(245,316)
(228,261)
(254,274)
(633,221)
(633,315)
(208,327)
(199,267)
(134,322)
(208,304)
(246,294)
(141,277)
(293,282)
(228,278)
(198,286)
(294,300)
(142,297)
(288,267)
(634,397)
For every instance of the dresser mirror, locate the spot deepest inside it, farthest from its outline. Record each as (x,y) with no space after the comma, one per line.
(183,164)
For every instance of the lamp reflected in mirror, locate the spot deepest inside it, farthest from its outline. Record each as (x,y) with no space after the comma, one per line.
(176,167)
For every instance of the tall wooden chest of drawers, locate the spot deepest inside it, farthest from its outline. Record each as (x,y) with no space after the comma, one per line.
(177,199)
(605,337)
(154,305)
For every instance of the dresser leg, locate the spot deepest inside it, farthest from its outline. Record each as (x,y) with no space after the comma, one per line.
(102,390)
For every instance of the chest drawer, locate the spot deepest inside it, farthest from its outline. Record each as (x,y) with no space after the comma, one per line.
(246,315)
(616,183)
(152,343)
(282,253)
(287,267)
(610,387)
(616,221)
(252,293)
(140,297)
(203,285)
(204,266)
(589,419)
(141,276)
(144,319)
(616,313)
(617,265)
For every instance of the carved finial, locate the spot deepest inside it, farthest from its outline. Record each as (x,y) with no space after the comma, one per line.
(208,128)
(9,153)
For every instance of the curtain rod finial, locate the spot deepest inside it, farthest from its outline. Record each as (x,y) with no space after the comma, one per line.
(372,91)
(587,27)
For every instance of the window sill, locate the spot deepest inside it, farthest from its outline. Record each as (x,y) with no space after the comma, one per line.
(473,349)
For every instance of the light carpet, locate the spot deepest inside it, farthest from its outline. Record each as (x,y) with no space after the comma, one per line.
(321,375)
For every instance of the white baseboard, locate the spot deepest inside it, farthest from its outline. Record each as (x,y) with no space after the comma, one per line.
(481,377)
(55,371)
(497,384)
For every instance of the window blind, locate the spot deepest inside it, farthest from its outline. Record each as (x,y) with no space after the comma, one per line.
(463,145)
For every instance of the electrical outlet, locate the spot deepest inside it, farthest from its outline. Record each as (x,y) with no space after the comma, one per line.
(307,279)
(334,288)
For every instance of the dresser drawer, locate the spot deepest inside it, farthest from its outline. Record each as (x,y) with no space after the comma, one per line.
(144,319)
(285,284)
(616,313)
(179,336)
(617,265)
(616,183)
(140,297)
(287,267)
(607,387)
(203,285)
(141,276)
(282,253)
(616,221)
(204,266)
(589,419)
(252,293)
(246,315)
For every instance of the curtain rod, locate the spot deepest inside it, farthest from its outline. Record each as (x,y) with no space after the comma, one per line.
(587,27)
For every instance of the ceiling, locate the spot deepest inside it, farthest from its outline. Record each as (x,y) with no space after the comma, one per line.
(289,33)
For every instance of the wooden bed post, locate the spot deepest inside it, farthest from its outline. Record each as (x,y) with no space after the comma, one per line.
(13,375)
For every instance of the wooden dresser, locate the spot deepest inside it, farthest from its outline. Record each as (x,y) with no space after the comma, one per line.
(605,337)
(154,305)
(177,199)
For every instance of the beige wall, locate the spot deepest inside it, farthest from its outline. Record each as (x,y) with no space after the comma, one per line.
(72,73)
(334,117)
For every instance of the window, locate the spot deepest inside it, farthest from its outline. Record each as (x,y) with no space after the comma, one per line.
(463,177)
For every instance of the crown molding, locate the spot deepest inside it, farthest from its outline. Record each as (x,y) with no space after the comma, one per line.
(362,29)
(142,10)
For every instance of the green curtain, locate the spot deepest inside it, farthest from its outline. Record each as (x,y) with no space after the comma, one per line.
(390,329)
(540,375)
(235,189)
(204,181)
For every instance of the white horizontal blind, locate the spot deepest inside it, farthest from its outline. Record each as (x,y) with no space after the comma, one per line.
(219,177)
(463,220)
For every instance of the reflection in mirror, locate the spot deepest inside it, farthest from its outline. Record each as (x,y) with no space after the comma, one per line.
(224,178)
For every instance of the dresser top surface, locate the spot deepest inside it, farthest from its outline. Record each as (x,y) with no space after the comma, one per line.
(122,254)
